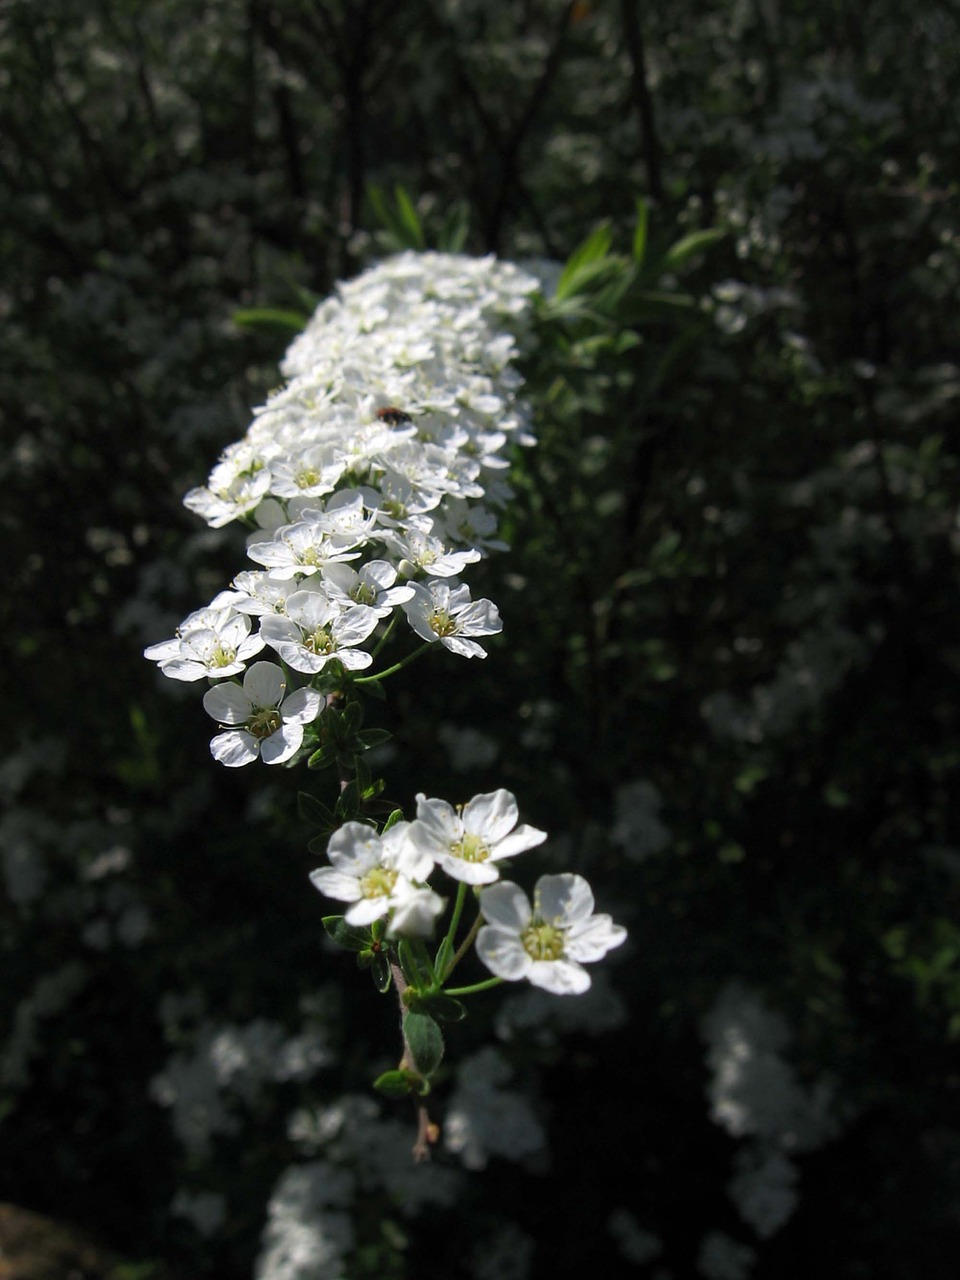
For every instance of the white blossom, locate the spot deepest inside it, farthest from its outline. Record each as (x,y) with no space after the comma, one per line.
(377,874)
(438,611)
(468,842)
(549,942)
(263,722)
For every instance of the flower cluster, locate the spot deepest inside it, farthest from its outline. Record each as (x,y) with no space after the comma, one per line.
(371,479)
(384,877)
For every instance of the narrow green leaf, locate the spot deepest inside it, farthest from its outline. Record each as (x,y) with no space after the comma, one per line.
(368,738)
(590,253)
(680,253)
(425,1041)
(455,229)
(270,320)
(409,217)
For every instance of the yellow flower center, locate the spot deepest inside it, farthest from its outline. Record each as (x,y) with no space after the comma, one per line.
(471,849)
(223,656)
(264,722)
(441,623)
(542,941)
(378,882)
(320,642)
(306,477)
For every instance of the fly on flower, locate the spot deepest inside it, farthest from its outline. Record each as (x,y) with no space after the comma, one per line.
(393,416)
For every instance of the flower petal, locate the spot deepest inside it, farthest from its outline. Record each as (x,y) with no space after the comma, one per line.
(227,703)
(491,815)
(234,748)
(560,977)
(336,884)
(503,953)
(563,900)
(264,684)
(281,745)
(505,905)
(302,707)
(594,938)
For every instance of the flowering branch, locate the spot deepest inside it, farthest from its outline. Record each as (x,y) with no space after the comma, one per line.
(371,481)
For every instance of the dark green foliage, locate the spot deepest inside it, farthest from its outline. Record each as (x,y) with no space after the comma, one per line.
(726,682)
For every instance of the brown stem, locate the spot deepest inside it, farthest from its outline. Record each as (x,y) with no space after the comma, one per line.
(428,1131)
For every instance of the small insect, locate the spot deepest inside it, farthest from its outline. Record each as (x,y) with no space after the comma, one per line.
(393,416)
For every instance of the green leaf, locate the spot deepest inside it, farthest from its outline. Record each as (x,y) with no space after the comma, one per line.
(311,810)
(351,718)
(455,228)
(409,218)
(348,803)
(425,1042)
(324,757)
(270,320)
(368,738)
(440,1006)
(584,260)
(415,962)
(395,817)
(640,232)
(396,1084)
(380,969)
(684,249)
(348,936)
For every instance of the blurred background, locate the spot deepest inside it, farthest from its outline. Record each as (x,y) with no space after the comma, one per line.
(726,683)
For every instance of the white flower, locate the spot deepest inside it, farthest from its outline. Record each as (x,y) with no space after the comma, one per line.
(301,548)
(371,586)
(315,630)
(468,841)
(421,553)
(441,612)
(266,723)
(377,873)
(548,943)
(219,649)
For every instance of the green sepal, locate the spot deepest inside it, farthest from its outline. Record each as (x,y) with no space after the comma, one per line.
(346,935)
(396,1084)
(365,959)
(380,972)
(442,1007)
(424,1040)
